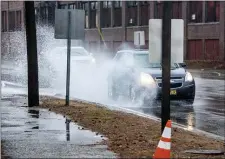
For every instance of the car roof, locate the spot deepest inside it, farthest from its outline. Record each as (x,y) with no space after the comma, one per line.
(134,51)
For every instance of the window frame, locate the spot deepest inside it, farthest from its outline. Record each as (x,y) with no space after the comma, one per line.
(18,18)
(117,4)
(4,21)
(192,7)
(12,21)
(209,14)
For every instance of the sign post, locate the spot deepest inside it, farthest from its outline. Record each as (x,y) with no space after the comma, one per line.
(68,59)
(69,24)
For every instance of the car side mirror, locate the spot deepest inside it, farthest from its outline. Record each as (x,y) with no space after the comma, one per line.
(183,65)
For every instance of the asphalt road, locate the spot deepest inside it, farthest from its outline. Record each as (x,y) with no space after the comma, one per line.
(207,112)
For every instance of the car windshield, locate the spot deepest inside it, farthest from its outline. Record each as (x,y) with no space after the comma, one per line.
(76,51)
(142,60)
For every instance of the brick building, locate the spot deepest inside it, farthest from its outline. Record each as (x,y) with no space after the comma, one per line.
(204,23)
(12,21)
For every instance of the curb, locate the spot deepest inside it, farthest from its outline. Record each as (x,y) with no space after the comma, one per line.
(177,125)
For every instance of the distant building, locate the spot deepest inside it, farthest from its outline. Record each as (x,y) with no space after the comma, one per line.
(204,23)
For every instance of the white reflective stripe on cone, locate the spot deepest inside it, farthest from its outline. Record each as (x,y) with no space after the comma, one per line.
(164,145)
(166,133)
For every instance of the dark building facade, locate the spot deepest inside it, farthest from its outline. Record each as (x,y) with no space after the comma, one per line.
(117,20)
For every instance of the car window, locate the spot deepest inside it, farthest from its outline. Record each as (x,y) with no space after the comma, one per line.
(75,51)
(78,52)
(142,61)
(124,59)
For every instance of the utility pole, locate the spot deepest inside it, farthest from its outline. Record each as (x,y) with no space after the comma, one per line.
(32,60)
(166,62)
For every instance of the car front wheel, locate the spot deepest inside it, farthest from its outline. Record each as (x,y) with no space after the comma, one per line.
(112,91)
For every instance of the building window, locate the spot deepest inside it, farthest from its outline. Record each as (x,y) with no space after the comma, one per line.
(4,21)
(106,14)
(51,15)
(176,10)
(131,13)
(44,15)
(158,10)
(144,12)
(117,13)
(212,11)
(12,20)
(117,4)
(195,11)
(131,3)
(94,5)
(85,6)
(107,4)
(72,6)
(62,6)
(93,18)
(18,20)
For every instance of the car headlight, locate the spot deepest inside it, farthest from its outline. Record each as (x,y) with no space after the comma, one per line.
(93,60)
(188,77)
(146,79)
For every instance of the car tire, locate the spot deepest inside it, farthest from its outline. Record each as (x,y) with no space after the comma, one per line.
(112,91)
(190,101)
(133,94)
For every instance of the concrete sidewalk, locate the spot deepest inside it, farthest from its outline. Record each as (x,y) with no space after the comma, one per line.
(39,133)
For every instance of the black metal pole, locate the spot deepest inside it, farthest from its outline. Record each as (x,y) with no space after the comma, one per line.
(68,59)
(166,62)
(32,60)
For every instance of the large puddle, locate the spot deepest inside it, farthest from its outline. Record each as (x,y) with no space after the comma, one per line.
(34,132)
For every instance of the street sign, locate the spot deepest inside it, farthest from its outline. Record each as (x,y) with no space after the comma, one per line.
(69,24)
(139,38)
(77,23)
(177,40)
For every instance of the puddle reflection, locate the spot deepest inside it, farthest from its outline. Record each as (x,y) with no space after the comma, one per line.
(33,113)
(67,130)
(186,115)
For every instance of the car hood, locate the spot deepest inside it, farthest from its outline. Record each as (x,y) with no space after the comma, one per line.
(156,72)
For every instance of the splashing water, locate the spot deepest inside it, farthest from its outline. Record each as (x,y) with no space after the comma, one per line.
(89,84)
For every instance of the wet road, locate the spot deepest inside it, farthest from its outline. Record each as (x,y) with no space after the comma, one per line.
(207,113)
(34,132)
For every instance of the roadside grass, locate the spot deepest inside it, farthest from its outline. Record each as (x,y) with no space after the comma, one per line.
(131,136)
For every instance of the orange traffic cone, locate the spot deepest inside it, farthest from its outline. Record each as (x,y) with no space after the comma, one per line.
(163,148)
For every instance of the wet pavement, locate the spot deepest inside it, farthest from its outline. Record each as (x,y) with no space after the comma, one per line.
(39,133)
(207,112)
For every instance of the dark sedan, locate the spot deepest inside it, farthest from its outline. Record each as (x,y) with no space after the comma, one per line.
(135,77)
